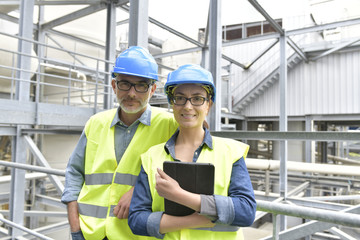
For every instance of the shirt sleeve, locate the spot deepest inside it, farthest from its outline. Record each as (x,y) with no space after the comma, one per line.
(75,173)
(239,208)
(142,221)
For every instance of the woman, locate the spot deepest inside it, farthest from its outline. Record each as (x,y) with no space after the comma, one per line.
(191,93)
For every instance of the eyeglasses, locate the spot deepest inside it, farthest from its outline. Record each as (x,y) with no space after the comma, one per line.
(195,101)
(139,87)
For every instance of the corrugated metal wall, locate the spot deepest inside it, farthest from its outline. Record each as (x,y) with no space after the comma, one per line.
(331,85)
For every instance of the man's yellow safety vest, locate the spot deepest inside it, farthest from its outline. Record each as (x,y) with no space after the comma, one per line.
(224,153)
(105,180)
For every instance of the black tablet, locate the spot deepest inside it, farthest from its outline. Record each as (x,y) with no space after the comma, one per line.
(191,176)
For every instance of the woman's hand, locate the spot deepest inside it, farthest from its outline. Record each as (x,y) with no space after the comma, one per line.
(170,189)
(166,186)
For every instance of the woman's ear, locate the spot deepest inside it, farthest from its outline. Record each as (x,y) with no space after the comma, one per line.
(210,105)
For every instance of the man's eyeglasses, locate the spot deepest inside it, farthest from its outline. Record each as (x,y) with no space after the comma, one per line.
(142,87)
(195,101)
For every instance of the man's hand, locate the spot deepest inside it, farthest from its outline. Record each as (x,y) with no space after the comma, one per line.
(121,210)
(166,186)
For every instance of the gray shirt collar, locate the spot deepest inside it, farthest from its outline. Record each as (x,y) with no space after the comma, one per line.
(145,118)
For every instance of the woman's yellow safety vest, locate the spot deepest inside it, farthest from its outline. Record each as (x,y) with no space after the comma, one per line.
(105,180)
(224,153)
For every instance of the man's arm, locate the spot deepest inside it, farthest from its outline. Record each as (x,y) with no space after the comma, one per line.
(73,216)
(74,180)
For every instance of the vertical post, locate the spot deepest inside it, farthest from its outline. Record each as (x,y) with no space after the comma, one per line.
(229,88)
(24,49)
(283,124)
(17,196)
(138,23)
(214,61)
(109,52)
(40,37)
(308,143)
(275,219)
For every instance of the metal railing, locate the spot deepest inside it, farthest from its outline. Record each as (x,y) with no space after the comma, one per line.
(58,75)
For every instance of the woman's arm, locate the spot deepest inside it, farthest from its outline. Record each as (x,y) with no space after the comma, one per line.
(170,223)
(239,207)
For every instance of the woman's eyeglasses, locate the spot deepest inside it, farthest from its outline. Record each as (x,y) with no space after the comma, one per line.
(195,101)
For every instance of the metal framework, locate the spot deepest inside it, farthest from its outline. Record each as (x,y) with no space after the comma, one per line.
(25,116)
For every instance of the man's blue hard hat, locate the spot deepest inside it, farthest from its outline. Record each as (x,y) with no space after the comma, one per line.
(136,61)
(190,73)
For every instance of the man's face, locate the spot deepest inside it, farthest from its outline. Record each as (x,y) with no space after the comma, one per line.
(132,101)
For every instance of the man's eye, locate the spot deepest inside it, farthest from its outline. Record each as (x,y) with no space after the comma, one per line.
(197,98)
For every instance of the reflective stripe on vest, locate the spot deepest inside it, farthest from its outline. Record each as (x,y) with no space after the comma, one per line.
(106,178)
(92,210)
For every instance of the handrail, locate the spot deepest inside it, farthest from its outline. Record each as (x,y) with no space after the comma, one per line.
(33,168)
(34,233)
(340,218)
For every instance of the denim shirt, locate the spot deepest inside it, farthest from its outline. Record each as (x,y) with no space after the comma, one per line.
(75,172)
(238,209)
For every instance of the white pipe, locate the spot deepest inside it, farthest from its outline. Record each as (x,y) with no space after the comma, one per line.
(260,164)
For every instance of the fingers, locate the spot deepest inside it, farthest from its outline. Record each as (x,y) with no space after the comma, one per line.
(162,174)
(121,212)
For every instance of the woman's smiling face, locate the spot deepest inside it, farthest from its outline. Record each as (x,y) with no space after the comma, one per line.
(188,115)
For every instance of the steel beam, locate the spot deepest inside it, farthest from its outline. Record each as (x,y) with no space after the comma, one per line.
(138,23)
(348,217)
(293,135)
(43,162)
(214,60)
(323,27)
(110,52)
(296,48)
(20,228)
(271,21)
(262,53)
(73,16)
(337,48)
(33,168)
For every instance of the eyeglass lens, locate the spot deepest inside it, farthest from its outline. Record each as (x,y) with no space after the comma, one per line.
(139,87)
(196,101)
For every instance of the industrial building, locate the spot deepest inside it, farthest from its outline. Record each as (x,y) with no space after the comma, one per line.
(287,75)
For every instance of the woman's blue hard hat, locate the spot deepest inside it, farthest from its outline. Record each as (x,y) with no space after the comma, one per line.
(190,73)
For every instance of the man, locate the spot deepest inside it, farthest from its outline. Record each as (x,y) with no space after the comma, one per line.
(104,166)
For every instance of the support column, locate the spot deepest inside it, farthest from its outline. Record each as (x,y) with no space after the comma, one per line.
(17,196)
(309,150)
(138,23)
(229,88)
(214,61)
(110,52)
(283,124)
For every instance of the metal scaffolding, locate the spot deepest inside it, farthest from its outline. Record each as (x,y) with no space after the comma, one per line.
(52,95)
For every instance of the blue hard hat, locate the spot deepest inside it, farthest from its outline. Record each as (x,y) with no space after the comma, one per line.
(190,73)
(136,61)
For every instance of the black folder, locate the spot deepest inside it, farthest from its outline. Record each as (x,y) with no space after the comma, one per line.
(191,176)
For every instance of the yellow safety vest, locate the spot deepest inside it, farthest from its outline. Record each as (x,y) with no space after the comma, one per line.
(105,180)
(225,152)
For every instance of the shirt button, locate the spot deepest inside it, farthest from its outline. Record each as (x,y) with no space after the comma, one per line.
(128,131)
(195,153)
